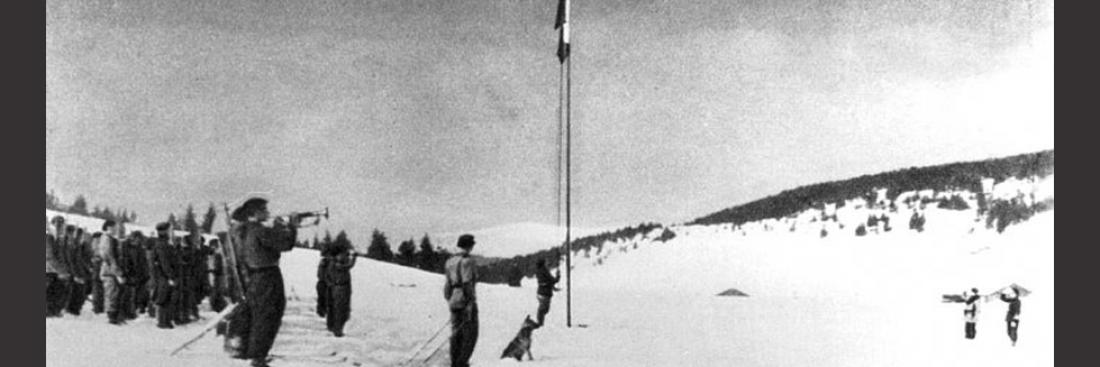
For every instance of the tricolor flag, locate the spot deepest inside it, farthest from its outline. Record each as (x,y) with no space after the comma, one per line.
(562,23)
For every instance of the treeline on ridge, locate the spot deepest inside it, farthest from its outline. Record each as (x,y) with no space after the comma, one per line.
(965,175)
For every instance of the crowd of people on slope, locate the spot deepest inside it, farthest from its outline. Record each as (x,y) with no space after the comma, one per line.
(124,277)
(168,277)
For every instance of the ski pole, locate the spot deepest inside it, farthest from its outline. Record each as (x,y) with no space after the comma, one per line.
(440,347)
(425,344)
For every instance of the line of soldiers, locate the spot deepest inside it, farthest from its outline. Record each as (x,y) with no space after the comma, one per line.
(165,277)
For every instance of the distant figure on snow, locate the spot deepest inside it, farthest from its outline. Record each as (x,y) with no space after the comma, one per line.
(461,296)
(546,289)
(165,277)
(1012,317)
(338,282)
(970,313)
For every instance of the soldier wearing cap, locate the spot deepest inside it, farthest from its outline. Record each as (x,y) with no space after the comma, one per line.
(166,278)
(461,296)
(261,248)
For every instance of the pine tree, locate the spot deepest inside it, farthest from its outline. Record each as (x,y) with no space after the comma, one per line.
(172,221)
(406,253)
(191,224)
(425,259)
(208,219)
(52,202)
(379,248)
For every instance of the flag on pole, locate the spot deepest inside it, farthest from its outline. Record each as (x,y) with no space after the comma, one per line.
(562,24)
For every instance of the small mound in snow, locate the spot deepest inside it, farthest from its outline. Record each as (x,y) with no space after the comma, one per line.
(732,292)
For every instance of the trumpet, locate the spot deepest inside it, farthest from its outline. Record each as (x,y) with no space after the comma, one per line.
(297,217)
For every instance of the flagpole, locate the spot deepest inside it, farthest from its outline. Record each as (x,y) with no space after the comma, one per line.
(562,24)
(568,196)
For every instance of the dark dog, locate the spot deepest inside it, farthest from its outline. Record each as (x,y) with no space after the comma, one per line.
(521,344)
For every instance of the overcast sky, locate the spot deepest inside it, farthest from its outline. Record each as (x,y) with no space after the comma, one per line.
(441,116)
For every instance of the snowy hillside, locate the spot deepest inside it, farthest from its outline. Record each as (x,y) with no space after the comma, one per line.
(516,239)
(838,300)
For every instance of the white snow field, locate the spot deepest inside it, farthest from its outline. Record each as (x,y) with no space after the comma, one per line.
(841,300)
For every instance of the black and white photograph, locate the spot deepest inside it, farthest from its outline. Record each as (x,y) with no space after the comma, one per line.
(560,183)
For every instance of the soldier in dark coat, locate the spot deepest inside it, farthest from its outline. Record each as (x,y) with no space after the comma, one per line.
(338,281)
(80,269)
(185,276)
(166,277)
(460,293)
(971,311)
(201,276)
(261,248)
(136,271)
(216,269)
(57,273)
(546,289)
(1012,317)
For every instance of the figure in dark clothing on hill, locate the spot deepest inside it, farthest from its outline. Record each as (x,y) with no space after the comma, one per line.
(460,291)
(136,272)
(216,268)
(1012,317)
(546,289)
(166,277)
(970,313)
(80,268)
(185,275)
(338,282)
(57,273)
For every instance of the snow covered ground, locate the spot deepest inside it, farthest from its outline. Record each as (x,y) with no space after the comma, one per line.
(835,301)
